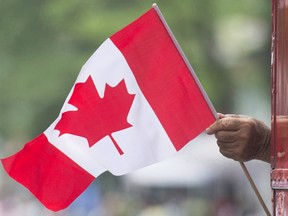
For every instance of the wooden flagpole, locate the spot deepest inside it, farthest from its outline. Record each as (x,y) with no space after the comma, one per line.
(254,188)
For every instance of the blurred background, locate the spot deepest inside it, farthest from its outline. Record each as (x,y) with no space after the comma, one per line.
(43,45)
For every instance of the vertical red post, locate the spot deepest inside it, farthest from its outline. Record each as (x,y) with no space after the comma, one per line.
(279,114)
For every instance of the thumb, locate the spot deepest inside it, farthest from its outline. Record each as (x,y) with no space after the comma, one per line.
(223,122)
(213,128)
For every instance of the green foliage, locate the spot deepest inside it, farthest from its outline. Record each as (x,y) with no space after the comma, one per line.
(44,43)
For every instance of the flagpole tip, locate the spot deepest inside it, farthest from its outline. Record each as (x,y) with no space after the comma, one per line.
(154,5)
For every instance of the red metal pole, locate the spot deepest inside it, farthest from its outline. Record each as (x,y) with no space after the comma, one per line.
(279,114)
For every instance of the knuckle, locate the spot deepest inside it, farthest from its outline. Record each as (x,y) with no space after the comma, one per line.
(225,123)
(220,144)
(227,154)
(219,135)
(249,123)
(243,138)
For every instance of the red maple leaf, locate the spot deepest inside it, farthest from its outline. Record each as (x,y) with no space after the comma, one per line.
(97,117)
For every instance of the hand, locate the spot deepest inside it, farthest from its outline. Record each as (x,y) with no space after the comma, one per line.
(241,138)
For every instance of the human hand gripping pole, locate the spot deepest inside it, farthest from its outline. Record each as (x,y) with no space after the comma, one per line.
(243,138)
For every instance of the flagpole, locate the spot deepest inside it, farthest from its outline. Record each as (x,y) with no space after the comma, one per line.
(254,188)
(157,9)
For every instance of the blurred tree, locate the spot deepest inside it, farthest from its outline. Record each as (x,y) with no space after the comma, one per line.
(44,43)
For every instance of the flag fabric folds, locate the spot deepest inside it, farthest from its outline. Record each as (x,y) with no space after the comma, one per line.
(135,102)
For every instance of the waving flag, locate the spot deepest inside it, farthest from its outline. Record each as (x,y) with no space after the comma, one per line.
(135,102)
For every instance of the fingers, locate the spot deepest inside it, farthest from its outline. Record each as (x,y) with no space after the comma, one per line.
(227,141)
(235,116)
(230,154)
(233,150)
(242,138)
(228,122)
(226,136)
(232,133)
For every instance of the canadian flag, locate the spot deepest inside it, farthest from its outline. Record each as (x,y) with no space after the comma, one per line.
(135,102)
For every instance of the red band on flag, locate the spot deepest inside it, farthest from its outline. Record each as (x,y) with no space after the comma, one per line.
(183,110)
(49,174)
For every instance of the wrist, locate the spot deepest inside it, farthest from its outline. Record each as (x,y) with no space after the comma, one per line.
(264,151)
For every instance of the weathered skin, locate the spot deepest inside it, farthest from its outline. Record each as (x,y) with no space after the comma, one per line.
(241,138)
